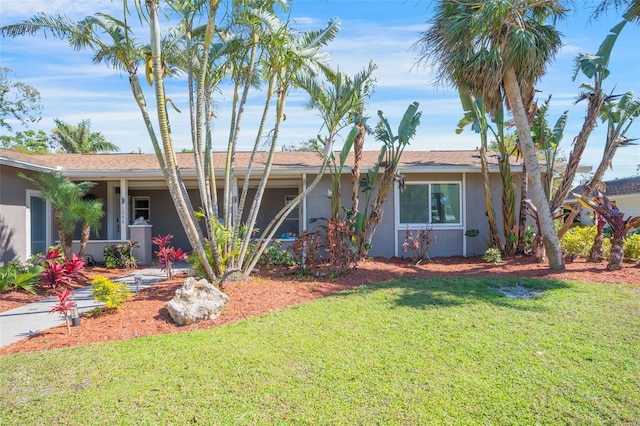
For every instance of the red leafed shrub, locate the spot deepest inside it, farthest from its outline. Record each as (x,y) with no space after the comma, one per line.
(343,253)
(59,271)
(167,254)
(64,305)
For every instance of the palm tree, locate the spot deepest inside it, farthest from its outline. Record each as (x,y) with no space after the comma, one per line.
(80,139)
(61,193)
(631,8)
(90,212)
(495,49)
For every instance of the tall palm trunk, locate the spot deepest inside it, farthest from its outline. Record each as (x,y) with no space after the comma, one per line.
(549,236)
(522,219)
(84,239)
(358,145)
(491,215)
(175,184)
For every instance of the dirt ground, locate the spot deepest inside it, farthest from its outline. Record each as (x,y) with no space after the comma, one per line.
(268,291)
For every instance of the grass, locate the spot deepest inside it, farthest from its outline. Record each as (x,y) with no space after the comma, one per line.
(437,351)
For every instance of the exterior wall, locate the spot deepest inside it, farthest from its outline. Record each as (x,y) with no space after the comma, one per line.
(13,236)
(387,241)
(13,215)
(628,204)
(165,220)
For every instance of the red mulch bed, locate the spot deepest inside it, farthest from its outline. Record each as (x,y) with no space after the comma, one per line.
(269,291)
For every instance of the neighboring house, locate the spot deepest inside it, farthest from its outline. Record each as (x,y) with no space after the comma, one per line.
(443,191)
(624,192)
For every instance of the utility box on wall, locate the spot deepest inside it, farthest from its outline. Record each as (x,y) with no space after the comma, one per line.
(141,234)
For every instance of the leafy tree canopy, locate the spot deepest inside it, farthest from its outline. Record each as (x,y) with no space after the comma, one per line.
(27,142)
(18,101)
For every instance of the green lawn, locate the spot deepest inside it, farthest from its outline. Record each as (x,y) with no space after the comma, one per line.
(436,351)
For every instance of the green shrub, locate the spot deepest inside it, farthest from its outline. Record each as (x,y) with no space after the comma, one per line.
(120,255)
(631,247)
(275,255)
(492,255)
(16,276)
(112,293)
(577,241)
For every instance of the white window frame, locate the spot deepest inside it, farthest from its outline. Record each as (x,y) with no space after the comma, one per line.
(48,221)
(413,226)
(133,206)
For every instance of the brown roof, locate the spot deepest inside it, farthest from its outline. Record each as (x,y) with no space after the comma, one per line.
(283,161)
(624,186)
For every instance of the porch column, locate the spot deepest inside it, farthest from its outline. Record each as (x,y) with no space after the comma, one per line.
(124,209)
(304,203)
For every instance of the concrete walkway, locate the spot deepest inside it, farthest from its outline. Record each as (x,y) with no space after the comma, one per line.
(28,320)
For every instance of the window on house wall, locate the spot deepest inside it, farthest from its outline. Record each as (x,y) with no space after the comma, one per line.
(141,207)
(433,203)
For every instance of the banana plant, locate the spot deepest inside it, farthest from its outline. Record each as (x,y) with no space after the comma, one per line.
(595,68)
(615,218)
(389,159)
(475,115)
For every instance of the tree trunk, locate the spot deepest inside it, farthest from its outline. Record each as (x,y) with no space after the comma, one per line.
(358,145)
(508,202)
(537,248)
(522,220)
(617,254)
(549,236)
(491,215)
(84,238)
(579,144)
(174,181)
(596,254)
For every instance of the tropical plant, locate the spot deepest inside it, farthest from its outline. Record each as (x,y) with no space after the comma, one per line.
(60,271)
(393,146)
(596,253)
(248,46)
(62,193)
(64,305)
(619,225)
(307,250)
(90,212)
(499,49)
(618,116)
(594,67)
(476,116)
(167,254)
(112,293)
(80,139)
(16,276)
(343,253)
(547,141)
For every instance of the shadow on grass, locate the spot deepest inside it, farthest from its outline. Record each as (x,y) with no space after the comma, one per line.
(439,292)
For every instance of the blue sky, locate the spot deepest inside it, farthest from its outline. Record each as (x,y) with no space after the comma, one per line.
(382,31)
